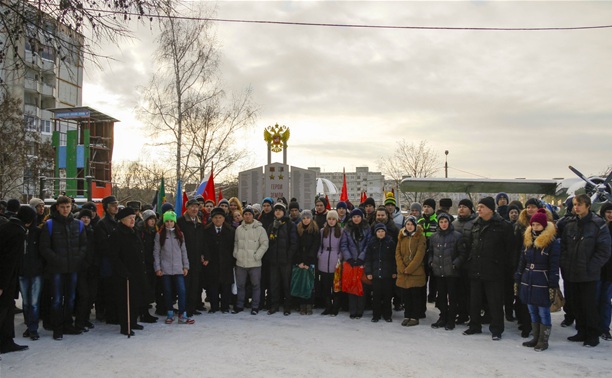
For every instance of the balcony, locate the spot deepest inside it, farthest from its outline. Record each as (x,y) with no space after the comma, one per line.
(47,90)
(31,85)
(31,110)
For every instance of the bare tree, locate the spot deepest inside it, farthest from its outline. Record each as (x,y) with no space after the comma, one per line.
(410,160)
(184,105)
(13,145)
(138,181)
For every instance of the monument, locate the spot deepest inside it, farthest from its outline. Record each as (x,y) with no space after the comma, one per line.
(276,179)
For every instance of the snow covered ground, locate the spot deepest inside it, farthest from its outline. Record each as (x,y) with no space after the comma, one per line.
(242,345)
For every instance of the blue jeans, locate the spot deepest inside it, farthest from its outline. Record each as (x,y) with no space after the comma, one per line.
(63,290)
(179,283)
(605,304)
(540,315)
(30,293)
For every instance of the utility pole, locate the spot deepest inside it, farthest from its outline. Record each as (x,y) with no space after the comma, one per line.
(446,164)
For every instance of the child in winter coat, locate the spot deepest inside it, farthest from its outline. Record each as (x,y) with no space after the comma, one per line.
(329,255)
(538,276)
(444,261)
(409,256)
(172,264)
(380,267)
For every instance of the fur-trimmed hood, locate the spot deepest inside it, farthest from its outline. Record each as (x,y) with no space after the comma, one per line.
(524,218)
(544,239)
(404,234)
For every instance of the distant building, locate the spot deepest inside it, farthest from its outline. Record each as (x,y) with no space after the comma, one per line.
(361,180)
(43,77)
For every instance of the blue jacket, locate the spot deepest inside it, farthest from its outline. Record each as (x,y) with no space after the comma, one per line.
(538,268)
(354,241)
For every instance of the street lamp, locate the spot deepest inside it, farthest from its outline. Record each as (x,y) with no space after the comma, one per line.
(446,164)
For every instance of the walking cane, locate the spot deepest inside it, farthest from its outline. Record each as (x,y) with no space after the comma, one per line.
(129,325)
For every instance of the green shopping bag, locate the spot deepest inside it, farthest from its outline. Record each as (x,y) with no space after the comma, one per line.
(302,282)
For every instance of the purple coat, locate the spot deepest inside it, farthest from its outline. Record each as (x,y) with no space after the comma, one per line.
(329,252)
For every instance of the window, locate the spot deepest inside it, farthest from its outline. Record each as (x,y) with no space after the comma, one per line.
(45,126)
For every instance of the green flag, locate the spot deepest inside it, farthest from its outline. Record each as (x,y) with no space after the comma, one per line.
(161,197)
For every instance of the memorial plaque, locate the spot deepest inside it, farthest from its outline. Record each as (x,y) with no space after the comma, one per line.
(303,186)
(276,179)
(250,185)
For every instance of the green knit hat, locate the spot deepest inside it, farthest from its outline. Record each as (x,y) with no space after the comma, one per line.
(170,215)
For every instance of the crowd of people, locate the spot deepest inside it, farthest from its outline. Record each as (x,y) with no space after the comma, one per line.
(496,262)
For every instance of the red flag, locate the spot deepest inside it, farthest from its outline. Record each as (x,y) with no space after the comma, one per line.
(185,200)
(220,195)
(327,206)
(344,193)
(209,190)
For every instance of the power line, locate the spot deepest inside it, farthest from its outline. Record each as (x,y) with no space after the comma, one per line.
(362,26)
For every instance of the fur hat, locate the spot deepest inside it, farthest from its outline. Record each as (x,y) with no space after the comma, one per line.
(217,211)
(501,195)
(127,211)
(380,226)
(331,214)
(148,214)
(369,201)
(446,203)
(169,215)
(467,203)
(134,205)
(307,214)
(390,199)
(535,202)
(430,202)
(416,206)
(357,211)
(341,205)
(539,217)
(488,202)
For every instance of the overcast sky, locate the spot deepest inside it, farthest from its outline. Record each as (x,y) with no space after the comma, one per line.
(505,104)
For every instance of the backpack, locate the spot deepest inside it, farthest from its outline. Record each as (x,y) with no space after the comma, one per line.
(50,226)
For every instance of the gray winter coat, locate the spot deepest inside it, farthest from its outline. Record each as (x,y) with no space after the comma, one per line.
(444,252)
(172,258)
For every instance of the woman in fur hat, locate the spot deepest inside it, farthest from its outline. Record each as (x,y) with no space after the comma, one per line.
(538,276)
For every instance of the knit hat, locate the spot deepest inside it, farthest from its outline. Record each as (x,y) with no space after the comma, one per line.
(412,220)
(148,214)
(390,199)
(445,216)
(331,214)
(89,206)
(416,206)
(127,211)
(430,202)
(488,202)
(36,201)
(357,211)
(280,206)
(13,205)
(211,201)
(248,209)
(307,214)
(446,203)
(167,207)
(224,201)
(501,195)
(294,205)
(268,200)
(85,213)
(369,201)
(26,214)
(217,211)
(169,215)
(341,205)
(605,207)
(535,202)
(467,203)
(513,207)
(256,207)
(539,217)
(380,226)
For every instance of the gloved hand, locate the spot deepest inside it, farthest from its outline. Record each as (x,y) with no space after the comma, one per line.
(552,293)
(351,262)
(359,262)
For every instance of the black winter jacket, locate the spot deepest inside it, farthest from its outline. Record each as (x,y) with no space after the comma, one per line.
(13,236)
(308,246)
(585,248)
(65,251)
(380,258)
(126,255)
(32,263)
(488,252)
(193,232)
(443,252)
(283,242)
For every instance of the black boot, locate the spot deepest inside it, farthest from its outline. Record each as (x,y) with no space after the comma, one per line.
(536,336)
(543,340)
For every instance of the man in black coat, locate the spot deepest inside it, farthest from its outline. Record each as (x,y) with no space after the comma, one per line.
(106,308)
(585,248)
(487,250)
(219,260)
(283,246)
(63,245)
(126,255)
(13,236)
(193,230)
